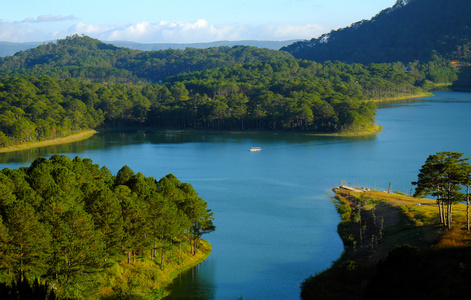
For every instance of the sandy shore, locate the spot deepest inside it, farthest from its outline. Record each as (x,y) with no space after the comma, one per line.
(69,139)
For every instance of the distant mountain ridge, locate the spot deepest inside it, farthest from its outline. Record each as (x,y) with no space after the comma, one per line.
(409,30)
(273,45)
(8,48)
(84,57)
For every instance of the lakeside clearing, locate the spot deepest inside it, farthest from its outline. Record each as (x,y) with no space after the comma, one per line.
(376,225)
(64,140)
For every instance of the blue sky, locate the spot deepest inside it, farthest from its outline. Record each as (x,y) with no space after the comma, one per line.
(180,21)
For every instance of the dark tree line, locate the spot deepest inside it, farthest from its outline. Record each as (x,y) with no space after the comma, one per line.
(64,221)
(271,95)
(408,31)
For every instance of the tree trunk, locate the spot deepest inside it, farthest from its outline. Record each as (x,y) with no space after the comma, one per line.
(440,211)
(21,269)
(467,205)
(154,251)
(444,214)
(179,251)
(449,216)
(162,257)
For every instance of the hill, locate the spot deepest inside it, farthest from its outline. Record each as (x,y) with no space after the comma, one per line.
(85,57)
(9,49)
(408,31)
(273,45)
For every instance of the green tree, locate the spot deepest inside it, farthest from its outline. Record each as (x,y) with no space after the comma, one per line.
(105,209)
(466,181)
(441,176)
(29,245)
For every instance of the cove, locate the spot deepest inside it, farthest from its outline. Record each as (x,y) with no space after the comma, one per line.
(275,221)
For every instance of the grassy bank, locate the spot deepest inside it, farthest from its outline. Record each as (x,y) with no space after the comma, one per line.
(146,278)
(374,227)
(404,97)
(374,130)
(69,139)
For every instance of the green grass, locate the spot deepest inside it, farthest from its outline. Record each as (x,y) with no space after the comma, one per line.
(145,279)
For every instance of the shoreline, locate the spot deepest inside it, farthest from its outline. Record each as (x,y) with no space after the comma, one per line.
(89,133)
(375,130)
(206,250)
(373,225)
(64,140)
(428,94)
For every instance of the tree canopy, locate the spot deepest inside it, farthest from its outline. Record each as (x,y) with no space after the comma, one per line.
(408,31)
(443,176)
(68,221)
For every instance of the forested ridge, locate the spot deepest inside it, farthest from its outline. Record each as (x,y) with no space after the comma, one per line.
(269,95)
(255,89)
(88,58)
(74,225)
(408,31)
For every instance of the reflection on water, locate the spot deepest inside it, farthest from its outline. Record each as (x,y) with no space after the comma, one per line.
(119,138)
(195,283)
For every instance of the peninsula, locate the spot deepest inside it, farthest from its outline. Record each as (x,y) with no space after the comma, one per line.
(394,245)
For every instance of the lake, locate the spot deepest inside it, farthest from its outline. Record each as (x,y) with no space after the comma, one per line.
(275,222)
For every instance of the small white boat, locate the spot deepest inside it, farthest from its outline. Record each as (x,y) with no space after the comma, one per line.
(255,149)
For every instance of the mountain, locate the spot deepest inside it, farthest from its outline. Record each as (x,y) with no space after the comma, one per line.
(408,31)
(274,45)
(85,57)
(7,48)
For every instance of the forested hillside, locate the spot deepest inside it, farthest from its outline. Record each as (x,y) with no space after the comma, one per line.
(80,83)
(76,226)
(410,30)
(271,95)
(9,48)
(87,58)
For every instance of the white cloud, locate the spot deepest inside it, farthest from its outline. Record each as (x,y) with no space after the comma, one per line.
(298,31)
(48,18)
(16,32)
(198,31)
(157,32)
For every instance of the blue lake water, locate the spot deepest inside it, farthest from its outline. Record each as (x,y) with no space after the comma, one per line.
(276,224)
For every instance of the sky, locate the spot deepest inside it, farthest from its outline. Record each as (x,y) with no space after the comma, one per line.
(180,21)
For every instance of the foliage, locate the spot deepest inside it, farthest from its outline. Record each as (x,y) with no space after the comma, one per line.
(410,30)
(442,176)
(439,269)
(251,89)
(345,212)
(85,57)
(68,221)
